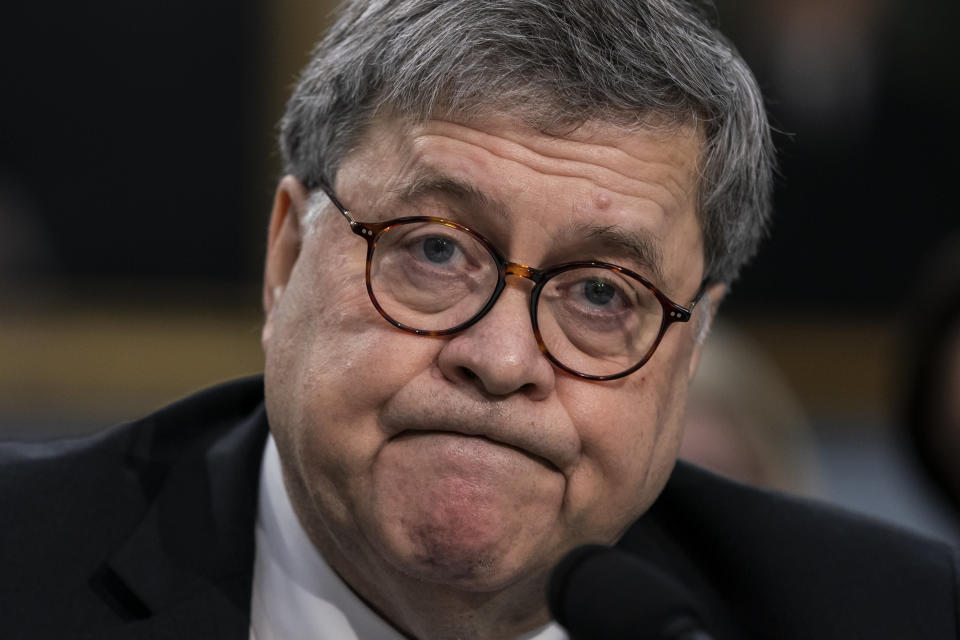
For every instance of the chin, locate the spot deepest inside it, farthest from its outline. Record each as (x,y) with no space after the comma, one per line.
(469,563)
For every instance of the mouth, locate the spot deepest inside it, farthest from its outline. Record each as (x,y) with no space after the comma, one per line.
(412,434)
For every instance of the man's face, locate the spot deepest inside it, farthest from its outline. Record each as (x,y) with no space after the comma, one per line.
(469,461)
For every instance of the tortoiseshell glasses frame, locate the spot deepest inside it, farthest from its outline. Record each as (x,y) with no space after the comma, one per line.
(373,231)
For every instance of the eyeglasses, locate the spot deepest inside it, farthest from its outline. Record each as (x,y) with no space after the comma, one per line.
(434,277)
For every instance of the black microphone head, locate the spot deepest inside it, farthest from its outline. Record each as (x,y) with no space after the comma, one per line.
(601,592)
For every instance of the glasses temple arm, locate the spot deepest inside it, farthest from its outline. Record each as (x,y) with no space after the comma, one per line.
(704,284)
(336,202)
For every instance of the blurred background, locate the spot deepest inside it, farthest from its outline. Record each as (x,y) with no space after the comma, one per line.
(137,167)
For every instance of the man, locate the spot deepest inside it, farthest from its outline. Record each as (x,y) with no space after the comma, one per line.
(504,229)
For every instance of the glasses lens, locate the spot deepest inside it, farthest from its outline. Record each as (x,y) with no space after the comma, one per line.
(598,321)
(431,276)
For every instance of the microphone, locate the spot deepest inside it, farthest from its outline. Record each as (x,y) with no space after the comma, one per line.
(602,593)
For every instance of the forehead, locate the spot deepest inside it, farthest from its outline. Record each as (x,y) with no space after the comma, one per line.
(617,157)
(628,186)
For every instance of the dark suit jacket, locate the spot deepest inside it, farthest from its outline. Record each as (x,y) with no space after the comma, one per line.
(146,531)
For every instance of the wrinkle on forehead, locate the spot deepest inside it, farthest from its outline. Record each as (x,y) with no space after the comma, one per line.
(607,155)
(618,159)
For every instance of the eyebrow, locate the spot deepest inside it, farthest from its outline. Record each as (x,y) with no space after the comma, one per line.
(639,244)
(428,181)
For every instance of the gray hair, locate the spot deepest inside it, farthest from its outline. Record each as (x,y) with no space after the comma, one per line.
(553,64)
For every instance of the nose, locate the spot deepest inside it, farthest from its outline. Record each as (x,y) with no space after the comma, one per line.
(499,353)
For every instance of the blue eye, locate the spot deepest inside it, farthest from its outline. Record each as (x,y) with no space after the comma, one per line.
(598,292)
(438,250)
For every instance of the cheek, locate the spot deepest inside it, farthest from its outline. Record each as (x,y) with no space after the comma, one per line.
(331,362)
(324,325)
(630,435)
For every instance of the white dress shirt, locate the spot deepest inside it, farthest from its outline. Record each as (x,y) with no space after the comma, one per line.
(296,595)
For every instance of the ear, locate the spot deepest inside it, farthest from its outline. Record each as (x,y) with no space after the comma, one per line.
(704,314)
(284,240)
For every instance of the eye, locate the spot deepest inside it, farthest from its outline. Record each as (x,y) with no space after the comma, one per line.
(431,249)
(598,292)
(437,249)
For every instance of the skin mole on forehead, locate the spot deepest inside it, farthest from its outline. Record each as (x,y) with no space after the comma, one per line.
(601,200)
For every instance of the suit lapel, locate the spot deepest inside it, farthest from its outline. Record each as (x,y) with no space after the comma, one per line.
(186,571)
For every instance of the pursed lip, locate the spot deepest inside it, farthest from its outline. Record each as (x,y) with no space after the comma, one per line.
(550,440)
(414,433)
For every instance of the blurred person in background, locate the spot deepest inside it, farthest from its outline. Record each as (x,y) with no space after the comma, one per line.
(744,421)
(929,409)
(439,423)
